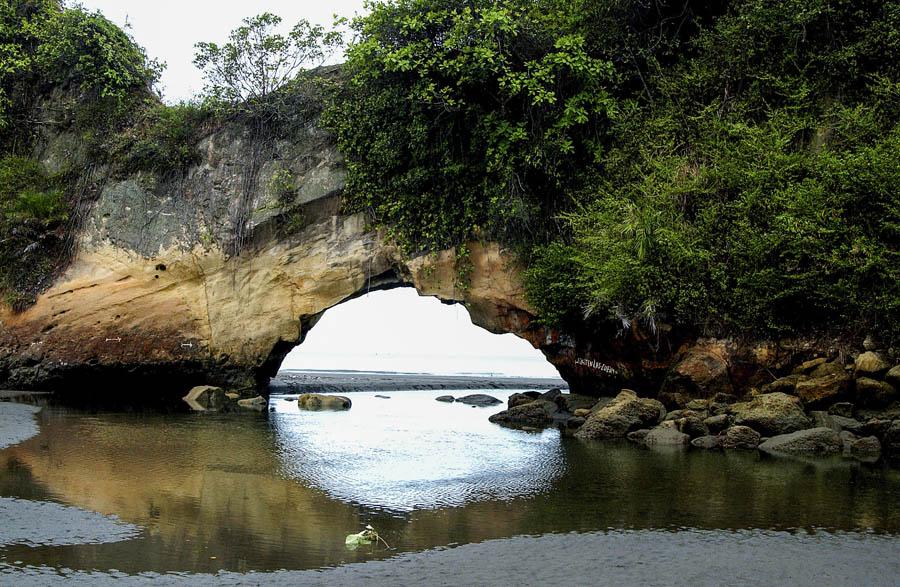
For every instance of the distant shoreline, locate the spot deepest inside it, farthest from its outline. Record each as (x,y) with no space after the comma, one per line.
(307,381)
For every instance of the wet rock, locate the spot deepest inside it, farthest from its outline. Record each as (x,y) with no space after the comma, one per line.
(807,367)
(716,424)
(691,425)
(876,427)
(847,439)
(638,435)
(535,413)
(518,399)
(383,396)
(871,364)
(574,401)
(666,436)
(625,413)
(479,399)
(868,446)
(771,413)
(824,420)
(257,403)
(206,398)
(893,376)
(844,409)
(741,438)
(575,422)
(551,395)
(317,402)
(582,413)
(707,442)
(873,393)
(447,399)
(823,390)
(817,441)
(850,424)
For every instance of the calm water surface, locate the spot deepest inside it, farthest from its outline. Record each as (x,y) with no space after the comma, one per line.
(204,492)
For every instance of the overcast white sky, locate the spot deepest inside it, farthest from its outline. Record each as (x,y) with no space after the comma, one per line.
(168,29)
(385,331)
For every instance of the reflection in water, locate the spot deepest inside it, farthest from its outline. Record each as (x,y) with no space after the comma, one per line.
(282,490)
(413,453)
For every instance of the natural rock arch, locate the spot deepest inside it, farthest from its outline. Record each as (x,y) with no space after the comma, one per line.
(211,277)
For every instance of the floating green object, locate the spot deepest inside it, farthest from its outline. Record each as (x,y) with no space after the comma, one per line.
(367,536)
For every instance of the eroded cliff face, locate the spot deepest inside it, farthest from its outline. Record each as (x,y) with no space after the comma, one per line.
(213,275)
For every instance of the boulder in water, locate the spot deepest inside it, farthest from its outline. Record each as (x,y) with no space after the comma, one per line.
(316,402)
(625,413)
(206,398)
(257,403)
(447,399)
(479,399)
(771,414)
(812,441)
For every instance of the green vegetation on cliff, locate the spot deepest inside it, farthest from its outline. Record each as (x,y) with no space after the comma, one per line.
(723,166)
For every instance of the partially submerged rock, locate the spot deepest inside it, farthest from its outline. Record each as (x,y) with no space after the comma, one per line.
(447,399)
(206,398)
(820,441)
(666,436)
(258,403)
(537,413)
(316,402)
(771,413)
(707,442)
(479,399)
(625,413)
(740,438)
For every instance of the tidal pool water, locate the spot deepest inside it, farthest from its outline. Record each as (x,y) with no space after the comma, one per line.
(200,494)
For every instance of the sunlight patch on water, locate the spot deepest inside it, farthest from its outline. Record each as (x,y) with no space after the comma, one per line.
(412,452)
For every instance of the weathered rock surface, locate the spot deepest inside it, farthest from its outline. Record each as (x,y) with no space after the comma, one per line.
(868,446)
(824,389)
(771,414)
(741,438)
(702,370)
(316,402)
(716,424)
(893,376)
(625,413)
(822,441)
(871,364)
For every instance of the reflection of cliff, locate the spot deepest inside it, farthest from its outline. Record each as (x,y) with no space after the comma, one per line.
(205,487)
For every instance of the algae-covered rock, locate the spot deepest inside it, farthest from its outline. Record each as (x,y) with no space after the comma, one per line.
(771,413)
(625,413)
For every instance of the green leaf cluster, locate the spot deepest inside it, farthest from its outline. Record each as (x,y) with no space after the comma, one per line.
(721,166)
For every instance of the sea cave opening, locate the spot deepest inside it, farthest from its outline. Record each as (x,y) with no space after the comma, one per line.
(399,331)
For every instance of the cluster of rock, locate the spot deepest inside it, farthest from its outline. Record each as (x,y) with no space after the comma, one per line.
(206,398)
(822,407)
